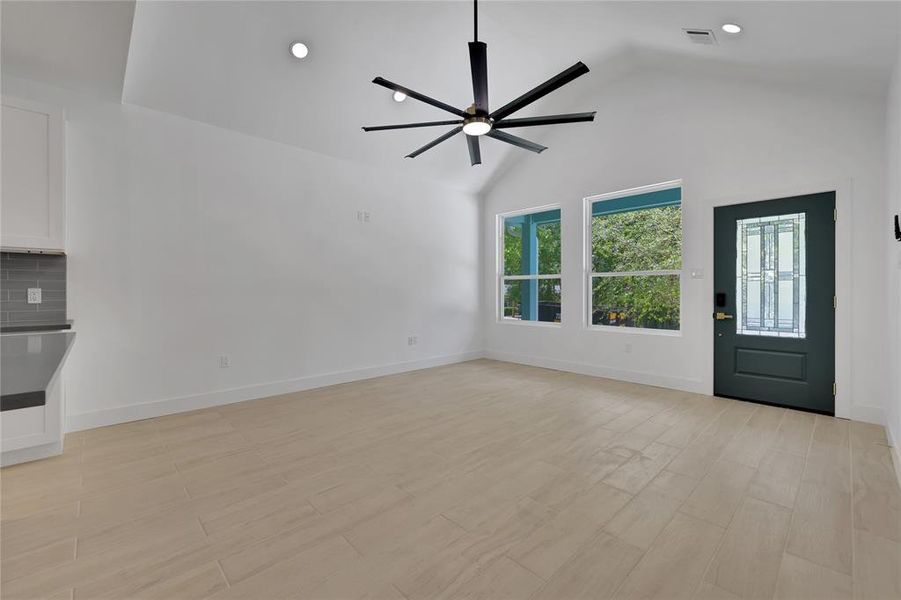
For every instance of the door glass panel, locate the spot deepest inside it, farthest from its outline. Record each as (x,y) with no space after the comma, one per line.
(771,277)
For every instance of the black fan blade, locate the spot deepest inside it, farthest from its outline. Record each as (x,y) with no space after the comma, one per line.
(555,82)
(478,62)
(548,120)
(417,96)
(516,141)
(435,142)
(412,125)
(475,153)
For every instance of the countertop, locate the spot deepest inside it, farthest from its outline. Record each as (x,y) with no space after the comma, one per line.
(28,363)
(35,326)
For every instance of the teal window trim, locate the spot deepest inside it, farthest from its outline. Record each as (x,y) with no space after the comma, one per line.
(547,216)
(667,197)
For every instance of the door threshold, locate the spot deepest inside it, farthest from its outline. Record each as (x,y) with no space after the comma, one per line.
(776,404)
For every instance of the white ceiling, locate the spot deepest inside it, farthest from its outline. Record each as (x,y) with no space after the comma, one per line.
(77,45)
(227,63)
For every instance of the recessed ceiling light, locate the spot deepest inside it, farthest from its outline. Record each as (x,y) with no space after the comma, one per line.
(399,96)
(299,50)
(731,28)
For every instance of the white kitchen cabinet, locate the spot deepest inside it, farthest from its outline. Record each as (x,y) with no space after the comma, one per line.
(34,433)
(32,204)
(32,394)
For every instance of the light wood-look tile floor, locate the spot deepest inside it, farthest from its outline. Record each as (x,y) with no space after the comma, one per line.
(478,480)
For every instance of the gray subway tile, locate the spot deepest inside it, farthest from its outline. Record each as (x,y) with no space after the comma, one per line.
(19,316)
(18,272)
(20,285)
(20,306)
(57,305)
(52,284)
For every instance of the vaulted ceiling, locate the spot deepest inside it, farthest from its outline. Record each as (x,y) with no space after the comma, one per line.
(227,63)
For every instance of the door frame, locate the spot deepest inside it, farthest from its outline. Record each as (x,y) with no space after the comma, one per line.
(843,189)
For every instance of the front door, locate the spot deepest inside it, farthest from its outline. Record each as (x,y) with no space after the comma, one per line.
(774,302)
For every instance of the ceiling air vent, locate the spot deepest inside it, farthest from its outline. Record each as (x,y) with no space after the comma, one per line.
(700,36)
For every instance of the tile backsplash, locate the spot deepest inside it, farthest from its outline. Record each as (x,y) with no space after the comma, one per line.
(18,272)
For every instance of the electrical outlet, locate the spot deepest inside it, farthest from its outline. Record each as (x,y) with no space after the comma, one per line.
(225,361)
(363,216)
(34,295)
(412,340)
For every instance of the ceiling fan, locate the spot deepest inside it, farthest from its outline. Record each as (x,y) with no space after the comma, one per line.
(476,120)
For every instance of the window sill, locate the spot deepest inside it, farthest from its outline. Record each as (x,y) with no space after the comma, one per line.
(636,330)
(546,324)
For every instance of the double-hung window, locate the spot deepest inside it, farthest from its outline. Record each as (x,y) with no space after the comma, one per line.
(529,278)
(635,257)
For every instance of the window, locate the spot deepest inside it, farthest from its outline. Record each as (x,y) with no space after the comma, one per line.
(530,266)
(771,278)
(635,257)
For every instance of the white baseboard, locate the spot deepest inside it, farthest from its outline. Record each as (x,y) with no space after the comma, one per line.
(168,406)
(14,457)
(684,384)
(868,414)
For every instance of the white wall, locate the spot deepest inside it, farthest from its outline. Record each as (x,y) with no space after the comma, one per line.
(893,265)
(188,241)
(726,140)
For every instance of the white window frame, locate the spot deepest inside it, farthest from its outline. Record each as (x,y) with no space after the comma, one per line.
(500,278)
(588,263)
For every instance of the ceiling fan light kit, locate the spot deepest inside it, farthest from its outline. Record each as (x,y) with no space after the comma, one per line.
(476,125)
(477,121)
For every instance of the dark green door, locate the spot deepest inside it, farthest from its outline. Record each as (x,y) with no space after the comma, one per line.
(774,294)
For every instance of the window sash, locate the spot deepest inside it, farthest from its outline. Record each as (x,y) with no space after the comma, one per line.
(535,217)
(505,280)
(637,273)
(656,331)
(646,197)
(527,277)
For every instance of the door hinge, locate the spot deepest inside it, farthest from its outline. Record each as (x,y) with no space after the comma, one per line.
(834,389)
(834,302)
(834,215)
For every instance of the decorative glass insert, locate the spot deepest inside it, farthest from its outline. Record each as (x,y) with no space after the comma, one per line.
(771,276)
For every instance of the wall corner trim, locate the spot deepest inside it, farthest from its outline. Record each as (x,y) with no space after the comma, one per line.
(896,452)
(168,406)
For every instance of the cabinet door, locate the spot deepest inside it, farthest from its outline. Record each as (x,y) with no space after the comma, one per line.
(32,214)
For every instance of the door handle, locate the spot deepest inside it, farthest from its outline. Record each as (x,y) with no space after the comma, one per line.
(721,316)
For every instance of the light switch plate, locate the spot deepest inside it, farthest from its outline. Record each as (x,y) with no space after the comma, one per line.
(34,296)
